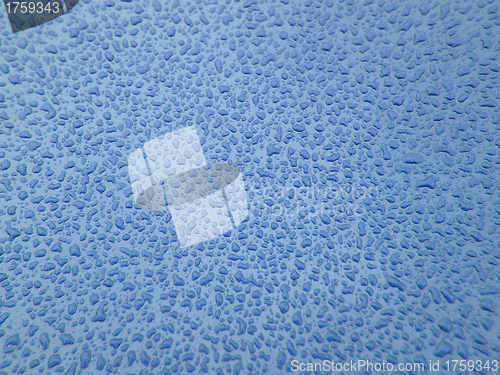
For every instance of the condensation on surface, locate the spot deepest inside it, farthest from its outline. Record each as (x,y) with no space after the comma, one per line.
(367,136)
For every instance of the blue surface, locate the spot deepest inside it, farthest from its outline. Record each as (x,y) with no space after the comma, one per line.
(368,136)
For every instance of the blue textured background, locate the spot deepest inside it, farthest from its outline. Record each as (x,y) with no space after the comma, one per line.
(368,135)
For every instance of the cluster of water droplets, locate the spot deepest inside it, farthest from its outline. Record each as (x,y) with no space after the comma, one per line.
(367,133)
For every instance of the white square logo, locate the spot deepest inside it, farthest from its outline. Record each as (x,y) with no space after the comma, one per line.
(204,201)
